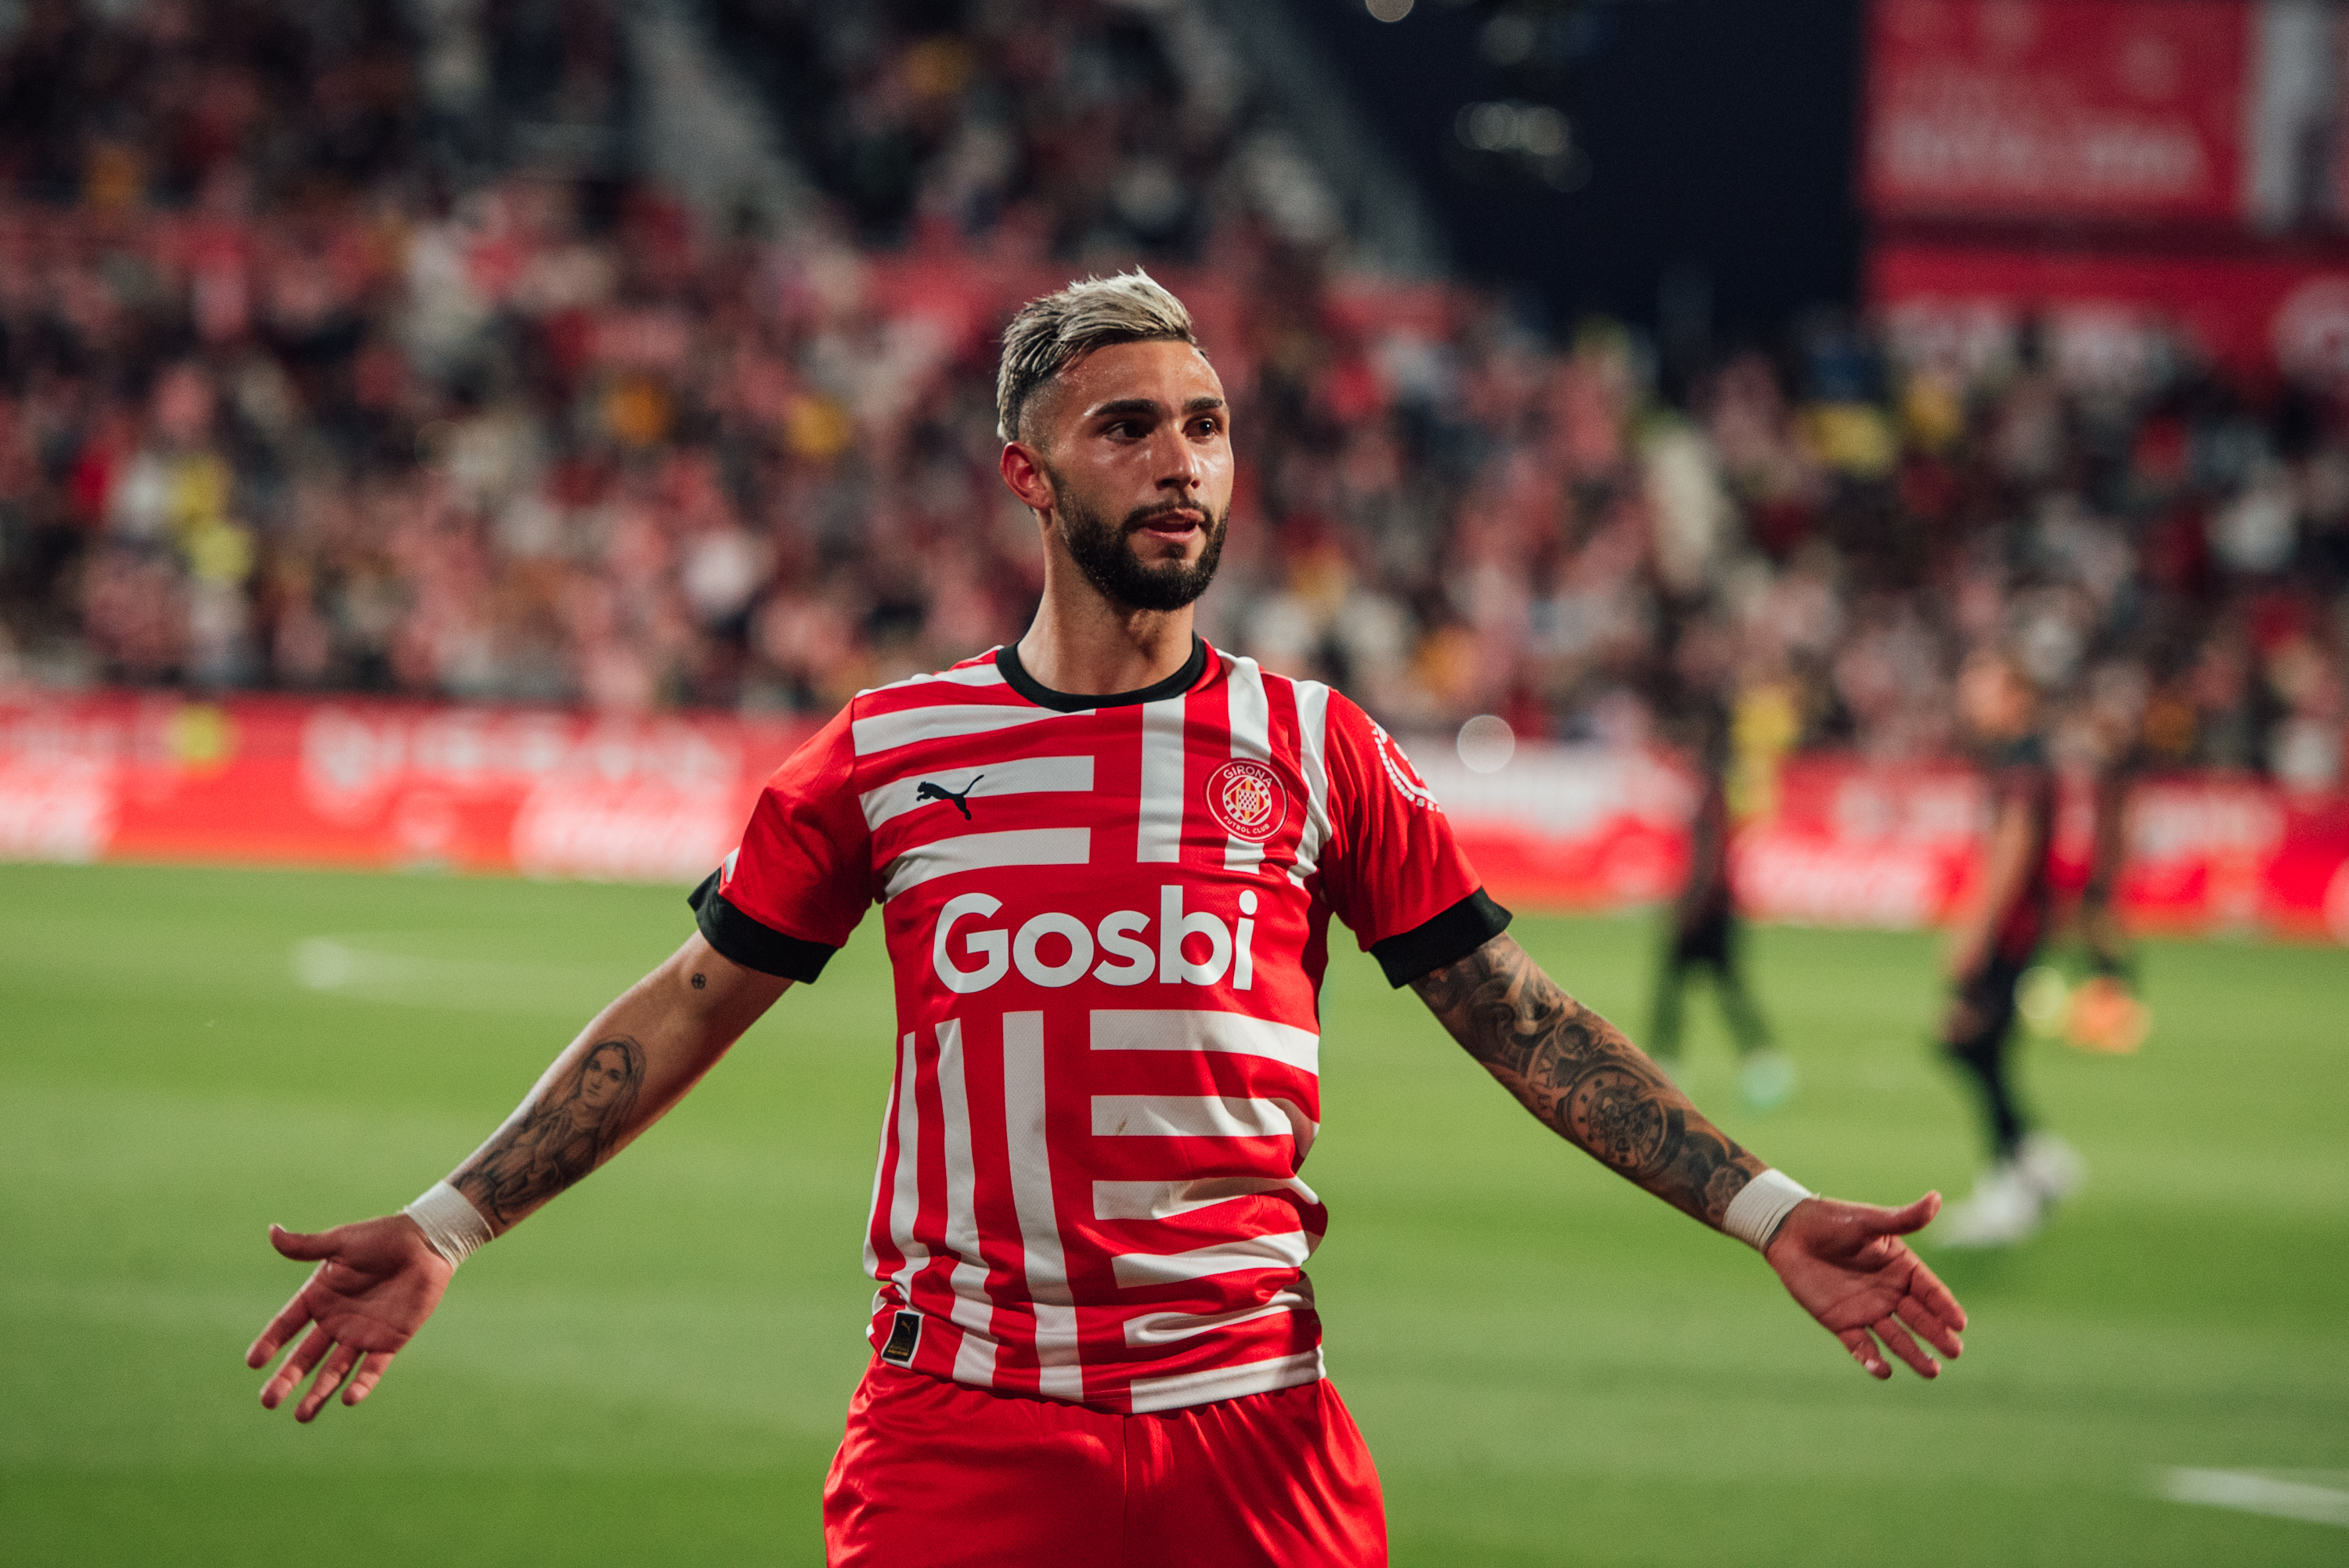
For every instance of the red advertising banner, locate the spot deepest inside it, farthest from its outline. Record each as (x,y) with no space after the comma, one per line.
(2102,312)
(2107,110)
(380,784)
(364,783)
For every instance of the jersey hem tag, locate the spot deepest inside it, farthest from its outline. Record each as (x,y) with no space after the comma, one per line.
(905,1338)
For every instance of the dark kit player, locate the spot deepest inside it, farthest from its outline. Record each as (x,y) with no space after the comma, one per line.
(1704,932)
(1993,942)
(1105,860)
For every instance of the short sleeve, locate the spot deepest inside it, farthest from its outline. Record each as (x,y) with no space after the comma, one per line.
(1393,872)
(791,893)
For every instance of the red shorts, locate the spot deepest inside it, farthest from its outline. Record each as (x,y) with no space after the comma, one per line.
(933,1472)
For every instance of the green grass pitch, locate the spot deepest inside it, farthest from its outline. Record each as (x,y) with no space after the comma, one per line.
(1551,1366)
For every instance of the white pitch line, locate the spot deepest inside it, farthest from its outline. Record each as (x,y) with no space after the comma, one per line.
(2281,1494)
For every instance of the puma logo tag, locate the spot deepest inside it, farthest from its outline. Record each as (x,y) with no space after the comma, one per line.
(929,792)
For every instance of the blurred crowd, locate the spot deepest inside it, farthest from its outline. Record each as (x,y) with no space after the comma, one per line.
(286,405)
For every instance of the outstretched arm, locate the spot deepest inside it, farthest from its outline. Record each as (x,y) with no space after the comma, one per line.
(378,1280)
(1582,1079)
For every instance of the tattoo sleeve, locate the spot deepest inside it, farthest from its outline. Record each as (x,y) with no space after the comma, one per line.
(559,1135)
(1578,1074)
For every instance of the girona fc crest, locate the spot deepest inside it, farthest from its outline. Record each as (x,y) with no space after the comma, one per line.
(1248,799)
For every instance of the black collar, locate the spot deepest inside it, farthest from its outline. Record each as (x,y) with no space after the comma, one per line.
(1016,676)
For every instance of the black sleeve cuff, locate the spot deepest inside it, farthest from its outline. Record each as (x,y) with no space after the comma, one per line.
(752,946)
(1447,939)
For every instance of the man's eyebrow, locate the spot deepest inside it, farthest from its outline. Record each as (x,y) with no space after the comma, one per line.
(1204,403)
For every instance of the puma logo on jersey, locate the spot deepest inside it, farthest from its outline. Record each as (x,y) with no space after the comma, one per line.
(929,792)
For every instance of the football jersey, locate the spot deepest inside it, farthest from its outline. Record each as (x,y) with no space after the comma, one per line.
(1108,920)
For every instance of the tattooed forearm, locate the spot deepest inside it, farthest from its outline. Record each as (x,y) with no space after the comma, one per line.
(559,1136)
(1577,1072)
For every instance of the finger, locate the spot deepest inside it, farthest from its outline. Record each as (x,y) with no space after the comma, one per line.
(1863,1350)
(1897,1340)
(1927,1287)
(1931,1326)
(307,1245)
(1902,1222)
(330,1378)
(290,1321)
(297,1368)
(371,1370)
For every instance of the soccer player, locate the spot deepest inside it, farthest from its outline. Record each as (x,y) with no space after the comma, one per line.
(1992,943)
(1704,932)
(1105,859)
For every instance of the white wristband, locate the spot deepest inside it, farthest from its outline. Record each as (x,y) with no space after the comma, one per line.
(1755,1213)
(450,1221)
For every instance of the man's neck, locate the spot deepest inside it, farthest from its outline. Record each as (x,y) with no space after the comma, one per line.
(1085,645)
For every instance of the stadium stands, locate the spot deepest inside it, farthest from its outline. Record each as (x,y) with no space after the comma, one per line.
(321,369)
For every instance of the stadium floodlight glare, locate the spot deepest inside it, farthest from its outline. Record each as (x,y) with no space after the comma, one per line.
(1388,10)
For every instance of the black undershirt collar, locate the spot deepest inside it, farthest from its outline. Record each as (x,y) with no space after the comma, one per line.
(1016,676)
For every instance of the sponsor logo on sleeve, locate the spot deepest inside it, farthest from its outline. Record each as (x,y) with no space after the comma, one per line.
(1247,800)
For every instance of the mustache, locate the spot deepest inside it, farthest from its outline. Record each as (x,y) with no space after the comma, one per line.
(1143,517)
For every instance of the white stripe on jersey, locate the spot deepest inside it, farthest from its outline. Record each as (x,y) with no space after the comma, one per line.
(905,1192)
(887,731)
(1169,1030)
(1251,713)
(1288,1250)
(978,851)
(1025,776)
(987,674)
(973,1308)
(1224,1382)
(1166,1328)
(1201,1116)
(1313,735)
(1159,836)
(1166,1199)
(1059,1376)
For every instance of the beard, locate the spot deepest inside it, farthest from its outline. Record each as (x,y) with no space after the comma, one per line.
(1102,552)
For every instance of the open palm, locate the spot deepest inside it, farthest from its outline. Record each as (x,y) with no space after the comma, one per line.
(1847,1265)
(376,1283)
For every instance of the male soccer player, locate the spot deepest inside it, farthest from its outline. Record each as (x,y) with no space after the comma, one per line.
(1991,944)
(1704,932)
(1106,859)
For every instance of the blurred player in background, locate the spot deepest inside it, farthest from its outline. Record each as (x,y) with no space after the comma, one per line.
(1704,932)
(1095,1340)
(1994,941)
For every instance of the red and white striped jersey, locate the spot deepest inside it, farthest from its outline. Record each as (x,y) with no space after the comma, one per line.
(1108,920)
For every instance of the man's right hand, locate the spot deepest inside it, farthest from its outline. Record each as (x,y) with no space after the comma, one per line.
(375,1285)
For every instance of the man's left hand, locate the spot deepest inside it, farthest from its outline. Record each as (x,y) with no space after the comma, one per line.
(1847,1265)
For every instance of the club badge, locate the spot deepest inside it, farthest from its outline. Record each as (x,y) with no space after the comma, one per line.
(1247,799)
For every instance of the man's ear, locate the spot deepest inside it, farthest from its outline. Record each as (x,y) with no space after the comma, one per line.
(1024,474)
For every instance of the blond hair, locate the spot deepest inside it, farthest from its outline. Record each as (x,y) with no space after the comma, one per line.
(1051,332)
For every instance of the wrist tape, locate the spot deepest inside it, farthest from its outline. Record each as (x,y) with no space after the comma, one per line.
(1755,1212)
(450,1221)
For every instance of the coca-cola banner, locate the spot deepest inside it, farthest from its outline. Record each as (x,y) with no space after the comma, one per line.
(2132,109)
(407,785)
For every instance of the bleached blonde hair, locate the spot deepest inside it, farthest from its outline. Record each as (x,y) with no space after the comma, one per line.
(1051,332)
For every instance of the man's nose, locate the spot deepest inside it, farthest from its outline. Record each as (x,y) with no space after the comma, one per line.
(1179,465)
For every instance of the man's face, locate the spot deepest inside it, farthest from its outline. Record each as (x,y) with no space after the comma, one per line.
(1992,701)
(1135,439)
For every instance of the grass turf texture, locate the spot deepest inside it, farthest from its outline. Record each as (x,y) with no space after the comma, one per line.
(1551,1366)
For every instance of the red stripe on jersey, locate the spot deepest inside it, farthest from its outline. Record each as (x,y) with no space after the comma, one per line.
(1107,929)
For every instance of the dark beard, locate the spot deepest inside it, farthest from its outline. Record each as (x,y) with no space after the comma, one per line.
(1102,553)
